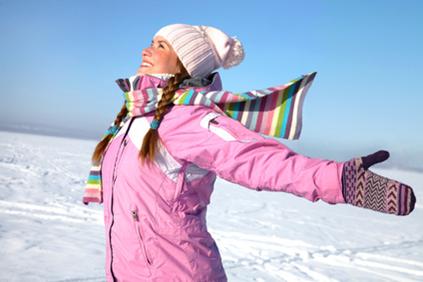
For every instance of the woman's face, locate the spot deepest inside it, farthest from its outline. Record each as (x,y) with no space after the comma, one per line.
(159,58)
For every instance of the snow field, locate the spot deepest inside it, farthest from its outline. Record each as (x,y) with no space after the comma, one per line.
(47,234)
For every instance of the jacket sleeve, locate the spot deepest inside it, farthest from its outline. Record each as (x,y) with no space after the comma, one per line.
(216,142)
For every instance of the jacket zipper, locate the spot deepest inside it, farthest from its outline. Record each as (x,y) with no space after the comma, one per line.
(114,177)
(135,218)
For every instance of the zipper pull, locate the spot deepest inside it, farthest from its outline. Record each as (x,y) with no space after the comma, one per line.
(134,215)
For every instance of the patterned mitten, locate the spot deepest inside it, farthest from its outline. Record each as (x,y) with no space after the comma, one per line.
(363,188)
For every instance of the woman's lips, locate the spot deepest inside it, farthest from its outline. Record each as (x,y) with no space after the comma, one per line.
(145,64)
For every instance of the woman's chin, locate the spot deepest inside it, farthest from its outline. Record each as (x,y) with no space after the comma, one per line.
(142,71)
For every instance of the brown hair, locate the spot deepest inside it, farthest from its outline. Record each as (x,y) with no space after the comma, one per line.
(150,140)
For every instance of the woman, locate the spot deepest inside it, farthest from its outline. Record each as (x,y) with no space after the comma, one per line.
(156,166)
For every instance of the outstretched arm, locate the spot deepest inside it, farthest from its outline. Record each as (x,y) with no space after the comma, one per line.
(219,143)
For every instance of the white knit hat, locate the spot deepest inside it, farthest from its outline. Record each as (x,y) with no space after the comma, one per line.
(202,49)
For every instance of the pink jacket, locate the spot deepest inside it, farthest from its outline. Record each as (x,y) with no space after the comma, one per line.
(155,216)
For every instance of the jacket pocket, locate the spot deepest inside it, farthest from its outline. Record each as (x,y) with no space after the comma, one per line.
(140,236)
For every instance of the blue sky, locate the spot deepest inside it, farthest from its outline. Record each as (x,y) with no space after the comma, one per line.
(59,60)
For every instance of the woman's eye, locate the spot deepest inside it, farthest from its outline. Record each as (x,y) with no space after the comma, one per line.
(160,45)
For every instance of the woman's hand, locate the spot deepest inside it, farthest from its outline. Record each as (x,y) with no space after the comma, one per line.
(364,188)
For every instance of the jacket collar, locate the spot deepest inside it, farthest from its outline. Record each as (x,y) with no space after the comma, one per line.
(210,83)
(140,82)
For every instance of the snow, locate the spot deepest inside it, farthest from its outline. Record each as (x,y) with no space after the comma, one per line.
(47,234)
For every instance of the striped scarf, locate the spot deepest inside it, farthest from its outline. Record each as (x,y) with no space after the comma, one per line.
(274,111)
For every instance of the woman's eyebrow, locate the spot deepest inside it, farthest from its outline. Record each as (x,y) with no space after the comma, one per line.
(152,41)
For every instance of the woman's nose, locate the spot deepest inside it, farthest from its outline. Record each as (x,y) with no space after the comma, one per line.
(146,52)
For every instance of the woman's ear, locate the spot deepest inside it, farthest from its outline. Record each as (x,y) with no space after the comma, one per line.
(179,69)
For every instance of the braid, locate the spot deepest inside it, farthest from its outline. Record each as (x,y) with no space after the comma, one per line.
(149,143)
(123,112)
(101,146)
